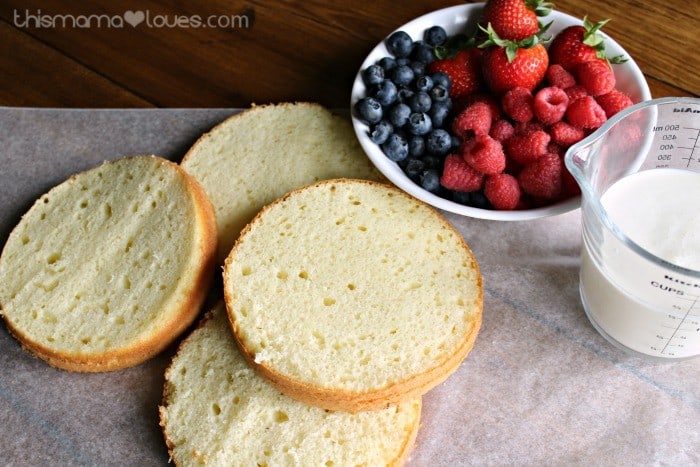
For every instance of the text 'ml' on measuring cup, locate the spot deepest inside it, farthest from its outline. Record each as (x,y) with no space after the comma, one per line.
(640,205)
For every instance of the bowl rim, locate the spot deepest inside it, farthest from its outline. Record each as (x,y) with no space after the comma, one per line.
(393,172)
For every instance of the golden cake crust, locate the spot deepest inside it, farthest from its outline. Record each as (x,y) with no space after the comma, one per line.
(333,396)
(180,313)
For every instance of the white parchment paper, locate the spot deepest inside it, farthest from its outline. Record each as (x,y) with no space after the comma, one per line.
(540,387)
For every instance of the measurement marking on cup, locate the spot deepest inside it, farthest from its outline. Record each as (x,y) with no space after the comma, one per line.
(694,139)
(676,329)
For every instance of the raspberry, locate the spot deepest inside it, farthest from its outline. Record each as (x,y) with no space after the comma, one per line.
(569,184)
(512,167)
(542,178)
(596,76)
(575,92)
(558,77)
(585,113)
(502,191)
(628,136)
(556,148)
(457,175)
(501,130)
(473,120)
(488,99)
(484,154)
(613,102)
(527,147)
(528,127)
(565,134)
(517,104)
(550,105)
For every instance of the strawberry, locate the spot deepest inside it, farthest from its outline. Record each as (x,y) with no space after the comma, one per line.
(514,20)
(579,44)
(464,70)
(526,68)
(507,64)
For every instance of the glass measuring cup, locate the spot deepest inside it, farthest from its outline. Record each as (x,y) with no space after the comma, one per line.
(640,204)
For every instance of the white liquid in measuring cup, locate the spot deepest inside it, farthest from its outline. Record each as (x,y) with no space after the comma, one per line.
(658,312)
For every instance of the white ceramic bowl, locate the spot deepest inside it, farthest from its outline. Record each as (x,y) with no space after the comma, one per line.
(462,18)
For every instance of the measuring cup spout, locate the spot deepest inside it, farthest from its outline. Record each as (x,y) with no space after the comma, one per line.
(616,149)
(578,161)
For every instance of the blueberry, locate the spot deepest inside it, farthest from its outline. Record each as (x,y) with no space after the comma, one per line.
(395,147)
(438,93)
(432,161)
(477,199)
(439,112)
(416,146)
(388,63)
(430,180)
(402,75)
(435,35)
(381,131)
(413,167)
(420,102)
(398,115)
(423,52)
(419,124)
(417,67)
(456,142)
(439,142)
(369,109)
(403,61)
(399,44)
(405,94)
(442,79)
(424,83)
(386,93)
(372,75)
(462,197)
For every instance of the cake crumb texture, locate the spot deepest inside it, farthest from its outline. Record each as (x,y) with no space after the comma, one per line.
(352,295)
(216,410)
(258,155)
(107,268)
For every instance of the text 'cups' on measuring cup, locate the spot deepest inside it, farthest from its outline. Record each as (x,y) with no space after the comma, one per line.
(640,204)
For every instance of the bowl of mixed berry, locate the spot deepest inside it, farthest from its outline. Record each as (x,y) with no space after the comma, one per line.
(471,108)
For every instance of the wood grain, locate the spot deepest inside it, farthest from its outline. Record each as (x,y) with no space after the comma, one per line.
(662,37)
(281,51)
(34,74)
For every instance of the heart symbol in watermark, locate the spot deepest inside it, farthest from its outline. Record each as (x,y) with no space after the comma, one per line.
(134,18)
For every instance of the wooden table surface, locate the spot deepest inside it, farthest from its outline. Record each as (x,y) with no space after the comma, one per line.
(271,52)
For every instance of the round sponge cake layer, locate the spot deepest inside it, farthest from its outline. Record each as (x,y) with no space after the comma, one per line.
(258,155)
(217,410)
(352,295)
(109,267)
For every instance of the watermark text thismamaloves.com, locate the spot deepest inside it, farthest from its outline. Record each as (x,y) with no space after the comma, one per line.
(142,18)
